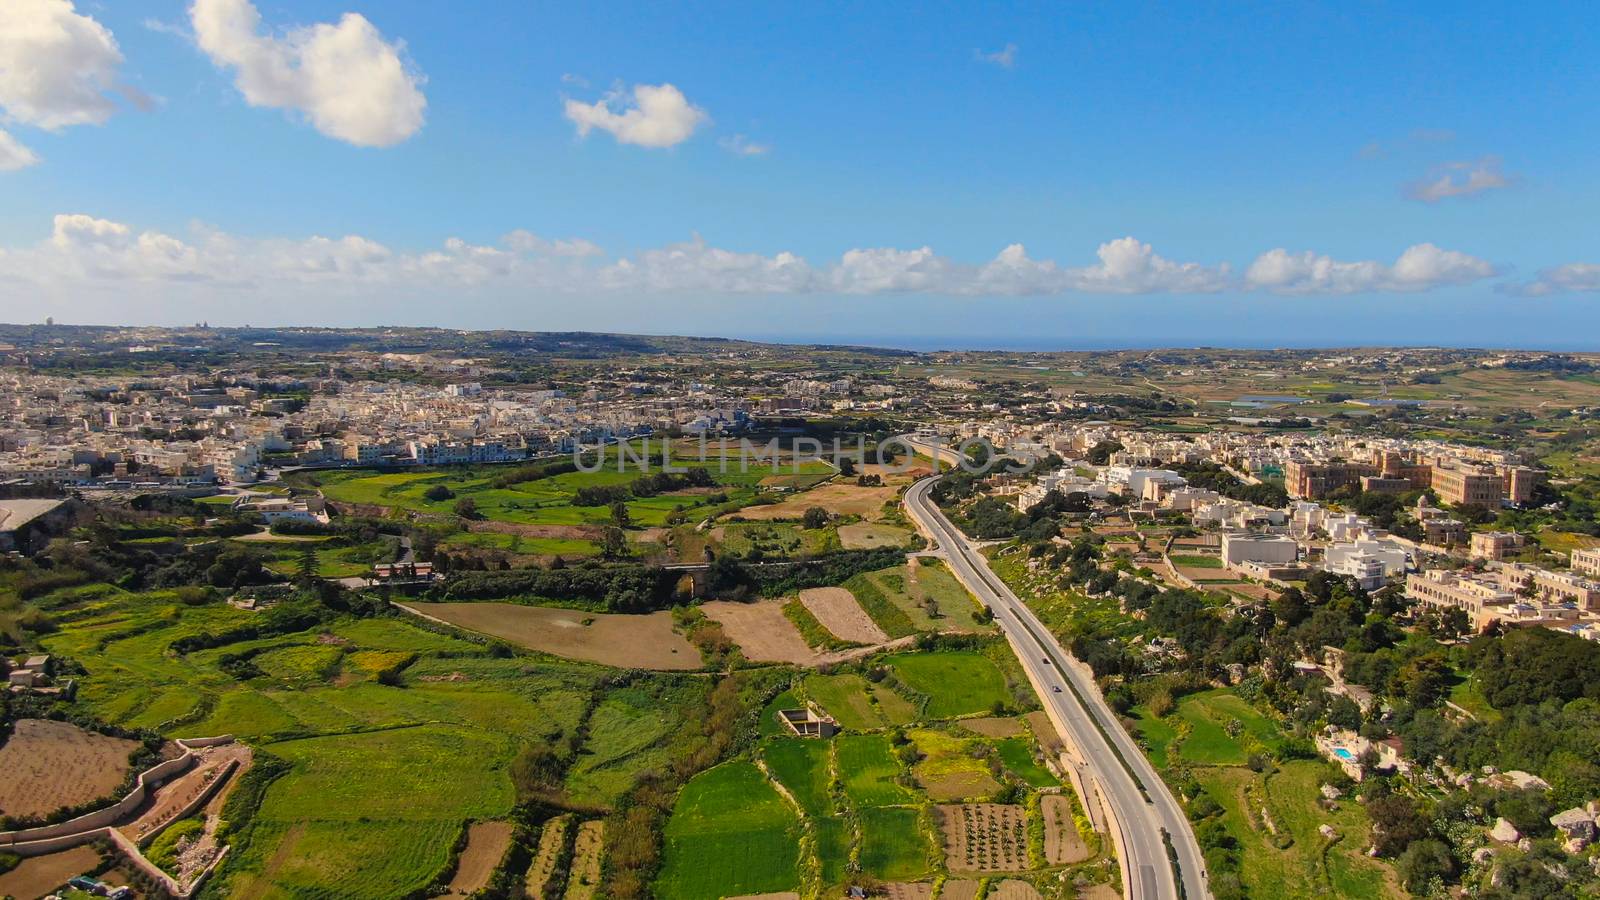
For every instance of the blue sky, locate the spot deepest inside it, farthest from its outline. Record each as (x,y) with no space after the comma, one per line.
(243,171)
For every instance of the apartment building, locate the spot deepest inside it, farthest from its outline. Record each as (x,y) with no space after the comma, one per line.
(1495,545)
(1551,587)
(1587,561)
(1306,480)
(1482,597)
(1468,487)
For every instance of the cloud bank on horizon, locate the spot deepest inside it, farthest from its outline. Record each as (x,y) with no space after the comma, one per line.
(83,251)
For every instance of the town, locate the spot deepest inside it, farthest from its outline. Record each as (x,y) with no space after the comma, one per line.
(1299,586)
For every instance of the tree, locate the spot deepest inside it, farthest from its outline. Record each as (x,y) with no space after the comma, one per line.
(1532,665)
(1100,454)
(847,466)
(1396,824)
(1422,681)
(437,493)
(307,568)
(466,508)
(620,516)
(614,543)
(815,517)
(1424,864)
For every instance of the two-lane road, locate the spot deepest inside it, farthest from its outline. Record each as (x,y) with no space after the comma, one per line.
(1159,856)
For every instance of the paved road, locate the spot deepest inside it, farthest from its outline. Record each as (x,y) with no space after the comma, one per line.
(1148,819)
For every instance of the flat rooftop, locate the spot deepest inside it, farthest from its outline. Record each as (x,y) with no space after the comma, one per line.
(16,513)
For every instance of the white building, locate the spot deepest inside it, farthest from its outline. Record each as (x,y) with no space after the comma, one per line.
(1255,547)
(1132,481)
(1371,563)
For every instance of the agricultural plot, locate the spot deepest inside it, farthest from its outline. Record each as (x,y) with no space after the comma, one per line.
(487,843)
(869,535)
(857,704)
(546,501)
(917,597)
(48,765)
(869,769)
(801,765)
(841,498)
(351,805)
(763,632)
(956,682)
(995,726)
(538,882)
(771,540)
(1017,755)
(730,833)
(626,731)
(1214,738)
(585,879)
(984,837)
(951,768)
(383,775)
(645,641)
(838,612)
(1062,842)
(335,557)
(894,845)
(868,797)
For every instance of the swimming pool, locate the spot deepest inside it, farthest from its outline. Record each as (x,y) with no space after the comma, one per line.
(1344,754)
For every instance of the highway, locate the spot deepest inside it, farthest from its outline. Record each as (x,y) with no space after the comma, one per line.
(1155,846)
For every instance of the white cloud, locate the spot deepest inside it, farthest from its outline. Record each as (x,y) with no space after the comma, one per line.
(351,83)
(694,266)
(659,116)
(85,252)
(1459,179)
(13,155)
(527,242)
(882,270)
(1005,58)
(739,145)
(1130,267)
(55,65)
(1572,278)
(56,69)
(1420,268)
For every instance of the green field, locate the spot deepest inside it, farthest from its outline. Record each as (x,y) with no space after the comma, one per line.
(956,682)
(857,704)
(1197,562)
(869,769)
(1209,715)
(730,833)
(802,766)
(548,500)
(1288,858)
(893,845)
(382,776)
(1017,754)
(895,598)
